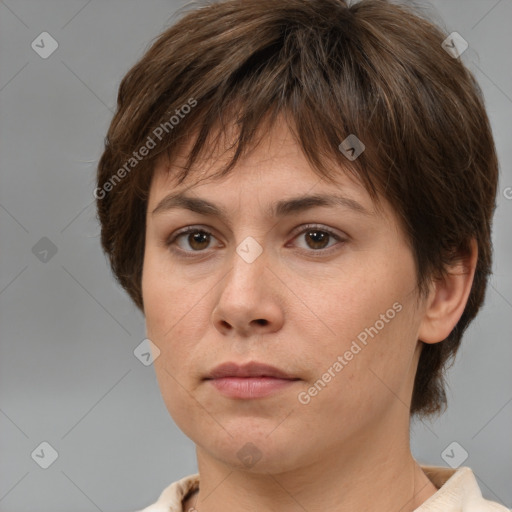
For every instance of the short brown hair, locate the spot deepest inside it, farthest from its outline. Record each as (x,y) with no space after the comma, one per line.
(374,69)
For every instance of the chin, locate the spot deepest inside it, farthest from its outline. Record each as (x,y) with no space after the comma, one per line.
(260,453)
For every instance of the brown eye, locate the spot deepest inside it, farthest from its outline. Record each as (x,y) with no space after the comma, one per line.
(198,240)
(317,239)
(192,240)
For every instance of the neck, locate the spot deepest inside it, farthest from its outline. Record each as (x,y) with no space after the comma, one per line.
(366,474)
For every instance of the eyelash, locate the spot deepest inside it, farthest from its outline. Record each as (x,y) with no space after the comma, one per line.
(195,229)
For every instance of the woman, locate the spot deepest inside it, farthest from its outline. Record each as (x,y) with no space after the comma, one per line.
(298,195)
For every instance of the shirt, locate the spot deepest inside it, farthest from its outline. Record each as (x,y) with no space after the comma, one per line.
(458,491)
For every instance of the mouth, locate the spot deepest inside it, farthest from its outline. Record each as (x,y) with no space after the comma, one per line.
(252,380)
(252,369)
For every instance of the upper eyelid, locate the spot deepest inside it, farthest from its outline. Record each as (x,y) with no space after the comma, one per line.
(296,232)
(301,229)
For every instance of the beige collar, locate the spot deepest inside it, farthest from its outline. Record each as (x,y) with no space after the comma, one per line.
(458,492)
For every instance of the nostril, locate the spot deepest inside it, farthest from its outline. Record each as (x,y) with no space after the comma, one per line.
(262,321)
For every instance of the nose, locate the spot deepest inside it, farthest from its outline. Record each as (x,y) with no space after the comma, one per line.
(249,302)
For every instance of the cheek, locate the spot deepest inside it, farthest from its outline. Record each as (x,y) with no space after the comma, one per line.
(176,319)
(364,385)
(354,299)
(162,311)
(370,321)
(165,301)
(168,324)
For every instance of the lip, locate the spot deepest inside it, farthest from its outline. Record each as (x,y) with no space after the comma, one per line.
(252,380)
(252,369)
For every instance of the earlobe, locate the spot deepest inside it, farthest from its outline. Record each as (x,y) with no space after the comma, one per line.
(448,297)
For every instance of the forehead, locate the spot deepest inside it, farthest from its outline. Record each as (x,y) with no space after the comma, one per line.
(273,167)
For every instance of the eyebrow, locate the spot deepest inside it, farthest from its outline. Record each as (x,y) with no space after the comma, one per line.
(282,208)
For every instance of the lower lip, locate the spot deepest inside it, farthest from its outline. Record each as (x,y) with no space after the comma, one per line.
(250,387)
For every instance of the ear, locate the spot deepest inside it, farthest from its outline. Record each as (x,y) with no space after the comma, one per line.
(448,297)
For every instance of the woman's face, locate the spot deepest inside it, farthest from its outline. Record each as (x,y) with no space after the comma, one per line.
(324,293)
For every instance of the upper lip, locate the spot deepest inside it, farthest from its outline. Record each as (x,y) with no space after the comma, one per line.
(252,369)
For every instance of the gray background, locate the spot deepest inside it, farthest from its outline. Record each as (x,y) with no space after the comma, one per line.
(68,375)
